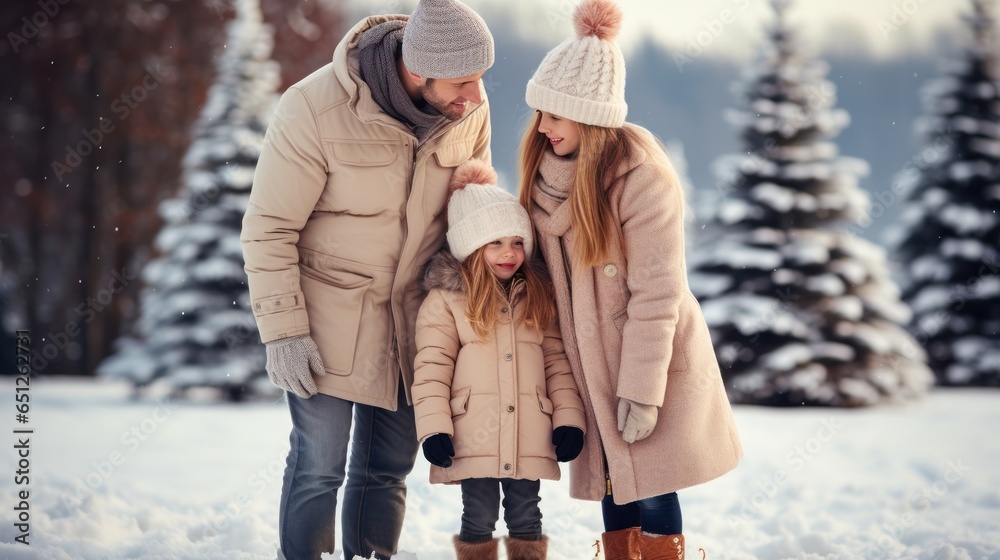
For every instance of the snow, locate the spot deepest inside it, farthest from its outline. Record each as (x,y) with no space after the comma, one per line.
(916,482)
(780,198)
(971,249)
(968,220)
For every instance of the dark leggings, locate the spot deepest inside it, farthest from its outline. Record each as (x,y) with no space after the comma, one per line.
(659,515)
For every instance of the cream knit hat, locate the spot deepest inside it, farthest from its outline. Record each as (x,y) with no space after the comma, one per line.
(583,79)
(479,211)
(446,39)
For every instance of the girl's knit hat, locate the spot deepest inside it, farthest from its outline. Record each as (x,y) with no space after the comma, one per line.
(583,79)
(479,211)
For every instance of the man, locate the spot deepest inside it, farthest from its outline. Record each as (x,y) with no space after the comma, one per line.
(347,206)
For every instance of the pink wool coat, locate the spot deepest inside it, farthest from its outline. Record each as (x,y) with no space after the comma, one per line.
(632,329)
(499,399)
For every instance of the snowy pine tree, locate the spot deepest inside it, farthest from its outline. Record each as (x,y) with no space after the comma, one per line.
(950,232)
(801,310)
(196,327)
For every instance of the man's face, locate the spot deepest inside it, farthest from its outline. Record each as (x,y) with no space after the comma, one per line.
(451,96)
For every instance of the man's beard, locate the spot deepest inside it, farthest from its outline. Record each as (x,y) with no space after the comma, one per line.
(449,111)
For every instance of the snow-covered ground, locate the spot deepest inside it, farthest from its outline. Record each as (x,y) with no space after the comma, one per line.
(113,478)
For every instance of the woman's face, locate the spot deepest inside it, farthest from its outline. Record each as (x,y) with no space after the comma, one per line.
(563,134)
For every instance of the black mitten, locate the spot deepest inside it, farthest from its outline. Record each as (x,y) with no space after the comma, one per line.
(568,441)
(439,450)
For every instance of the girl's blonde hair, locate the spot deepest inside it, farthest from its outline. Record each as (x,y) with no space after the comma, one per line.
(601,153)
(486,295)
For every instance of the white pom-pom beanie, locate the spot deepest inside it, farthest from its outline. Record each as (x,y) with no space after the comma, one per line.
(583,79)
(479,211)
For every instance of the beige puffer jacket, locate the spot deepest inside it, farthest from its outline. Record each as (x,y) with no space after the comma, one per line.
(498,399)
(346,209)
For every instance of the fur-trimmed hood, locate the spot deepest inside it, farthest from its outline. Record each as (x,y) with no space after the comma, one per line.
(444,272)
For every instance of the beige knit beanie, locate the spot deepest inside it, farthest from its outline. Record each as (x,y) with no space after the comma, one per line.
(479,211)
(583,79)
(446,39)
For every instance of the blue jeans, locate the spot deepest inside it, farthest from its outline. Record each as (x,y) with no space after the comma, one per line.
(383,451)
(659,515)
(481,508)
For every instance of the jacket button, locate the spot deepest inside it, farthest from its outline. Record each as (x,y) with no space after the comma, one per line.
(506,467)
(508,357)
(510,408)
(256,306)
(503,310)
(610,270)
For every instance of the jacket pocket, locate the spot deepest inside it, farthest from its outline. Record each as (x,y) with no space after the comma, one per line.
(364,179)
(335,315)
(544,403)
(460,402)
(619,320)
(454,154)
(363,155)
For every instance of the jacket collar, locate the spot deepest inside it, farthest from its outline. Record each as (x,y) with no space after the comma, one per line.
(346,68)
(444,272)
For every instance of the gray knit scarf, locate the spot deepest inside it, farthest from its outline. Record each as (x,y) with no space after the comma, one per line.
(378,50)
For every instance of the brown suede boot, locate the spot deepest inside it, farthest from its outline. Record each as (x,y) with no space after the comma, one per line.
(663,547)
(520,549)
(476,551)
(621,545)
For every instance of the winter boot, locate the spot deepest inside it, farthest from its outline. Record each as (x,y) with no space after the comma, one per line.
(663,547)
(621,545)
(476,551)
(520,549)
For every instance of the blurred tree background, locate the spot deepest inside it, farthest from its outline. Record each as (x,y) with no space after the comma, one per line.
(100,102)
(97,108)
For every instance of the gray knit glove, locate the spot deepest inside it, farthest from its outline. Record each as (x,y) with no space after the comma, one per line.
(292,362)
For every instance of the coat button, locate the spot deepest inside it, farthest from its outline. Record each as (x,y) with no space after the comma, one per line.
(610,270)
(510,408)
(506,467)
(508,357)
(256,306)
(503,310)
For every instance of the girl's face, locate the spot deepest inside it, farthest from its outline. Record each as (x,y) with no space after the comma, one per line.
(504,256)
(563,134)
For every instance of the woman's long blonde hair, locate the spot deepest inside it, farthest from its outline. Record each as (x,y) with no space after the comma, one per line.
(601,153)
(486,295)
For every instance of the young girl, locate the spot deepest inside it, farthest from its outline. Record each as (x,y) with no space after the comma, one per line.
(608,210)
(494,398)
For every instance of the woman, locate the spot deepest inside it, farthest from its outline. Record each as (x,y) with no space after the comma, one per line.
(608,210)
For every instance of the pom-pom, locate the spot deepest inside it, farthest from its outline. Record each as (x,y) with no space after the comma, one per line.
(601,18)
(472,172)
